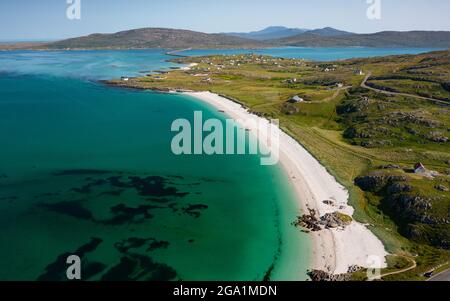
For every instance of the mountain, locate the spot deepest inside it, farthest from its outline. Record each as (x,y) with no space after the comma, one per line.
(329,32)
(269,33)
(439,39)
(154,38)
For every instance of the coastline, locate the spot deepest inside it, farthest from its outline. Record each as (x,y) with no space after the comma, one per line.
(333,250)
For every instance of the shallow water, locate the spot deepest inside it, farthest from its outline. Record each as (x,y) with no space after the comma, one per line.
(316,54)
(82,161)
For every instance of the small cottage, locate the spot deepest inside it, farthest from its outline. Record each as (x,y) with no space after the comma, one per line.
(419,168)
(296,99)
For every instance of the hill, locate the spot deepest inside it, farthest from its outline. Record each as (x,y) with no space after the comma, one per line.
(329,32)
(269,33)
(154,38)
(380,39)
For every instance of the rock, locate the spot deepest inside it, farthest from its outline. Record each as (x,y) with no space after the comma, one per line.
(412,208)
(320,276)
(399,188)
(335,220)
(436,136)
(376,182)
(354,268)
(442,188)
(390,166)
(328,221)
(309,221)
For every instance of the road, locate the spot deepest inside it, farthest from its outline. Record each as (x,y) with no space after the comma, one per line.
(444,276)
(413,266)
(363,85)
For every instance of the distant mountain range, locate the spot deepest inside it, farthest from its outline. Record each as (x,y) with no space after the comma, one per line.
(270,33)
(280,32)
(276,36)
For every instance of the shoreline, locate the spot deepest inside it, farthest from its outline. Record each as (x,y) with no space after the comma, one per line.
(333,250)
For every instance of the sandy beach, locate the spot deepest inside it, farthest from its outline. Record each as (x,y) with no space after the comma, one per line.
(334,250)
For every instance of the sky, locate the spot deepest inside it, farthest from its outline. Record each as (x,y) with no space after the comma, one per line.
(47,19)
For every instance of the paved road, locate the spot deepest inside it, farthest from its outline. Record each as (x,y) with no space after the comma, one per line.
(444,276)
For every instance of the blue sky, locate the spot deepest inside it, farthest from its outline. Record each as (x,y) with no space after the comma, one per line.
(46,19)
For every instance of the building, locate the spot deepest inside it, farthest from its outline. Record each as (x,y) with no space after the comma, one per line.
(296,99)
(419,168)
(359,72)
(292,81)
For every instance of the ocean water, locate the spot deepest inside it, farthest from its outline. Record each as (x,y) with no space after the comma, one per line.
(315,54)
(95,64)
(87,169)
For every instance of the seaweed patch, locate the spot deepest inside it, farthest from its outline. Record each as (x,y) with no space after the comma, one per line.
(135,267)
(150,186)
(194,210)
(80,172)
(124,214)
(150,244)
(70,208)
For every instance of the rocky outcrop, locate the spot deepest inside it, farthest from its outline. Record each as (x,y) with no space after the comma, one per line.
(309,221)
(321,276)
(442,188)
(376,182)
(412,208)
(335,220)
(314,223)
(436,136)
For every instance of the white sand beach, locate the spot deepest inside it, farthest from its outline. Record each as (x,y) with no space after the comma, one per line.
(334,250)
(188,67)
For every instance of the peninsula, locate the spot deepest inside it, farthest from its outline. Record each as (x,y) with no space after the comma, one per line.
(378,127)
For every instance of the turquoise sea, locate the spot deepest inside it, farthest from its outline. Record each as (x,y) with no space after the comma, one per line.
(87,169)
(316,54)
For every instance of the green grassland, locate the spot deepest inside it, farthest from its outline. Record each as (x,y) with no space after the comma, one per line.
(354,132)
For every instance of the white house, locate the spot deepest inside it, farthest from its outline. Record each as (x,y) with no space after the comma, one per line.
(296,99)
